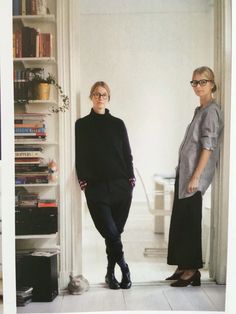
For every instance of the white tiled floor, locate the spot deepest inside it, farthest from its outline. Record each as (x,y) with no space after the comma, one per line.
(208,297)
(149,291)
(138,234)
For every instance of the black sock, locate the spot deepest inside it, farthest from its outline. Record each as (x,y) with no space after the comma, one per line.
(123,265)
(111,266)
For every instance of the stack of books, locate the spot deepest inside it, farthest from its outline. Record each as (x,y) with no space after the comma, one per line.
(27,199)
(24,295)
(30,127)
(30,166)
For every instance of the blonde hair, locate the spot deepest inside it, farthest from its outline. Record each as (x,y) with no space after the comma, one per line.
(209,74)
(102,84)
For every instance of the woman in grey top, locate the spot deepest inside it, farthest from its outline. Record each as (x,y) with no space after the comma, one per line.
(198,155)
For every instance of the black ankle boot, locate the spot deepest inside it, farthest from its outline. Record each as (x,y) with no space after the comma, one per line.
(125,281)
(111,281)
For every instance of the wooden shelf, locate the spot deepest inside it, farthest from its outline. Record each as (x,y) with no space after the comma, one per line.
(35,18)
(36,236)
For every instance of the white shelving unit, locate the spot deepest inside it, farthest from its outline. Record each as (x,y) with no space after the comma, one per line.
(47,24)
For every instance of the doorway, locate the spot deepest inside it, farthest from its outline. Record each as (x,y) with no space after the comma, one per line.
(146,54)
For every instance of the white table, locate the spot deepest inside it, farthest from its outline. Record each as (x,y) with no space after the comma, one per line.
(165,201)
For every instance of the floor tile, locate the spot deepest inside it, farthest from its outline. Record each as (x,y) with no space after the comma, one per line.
(145,299)
(42,307)
(96,299)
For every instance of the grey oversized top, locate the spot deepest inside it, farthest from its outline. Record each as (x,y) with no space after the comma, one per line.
(203,132)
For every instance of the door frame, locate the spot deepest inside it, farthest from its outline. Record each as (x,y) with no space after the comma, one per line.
(220,191)
(71,227)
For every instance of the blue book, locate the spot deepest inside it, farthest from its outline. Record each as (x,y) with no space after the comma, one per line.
(16,7)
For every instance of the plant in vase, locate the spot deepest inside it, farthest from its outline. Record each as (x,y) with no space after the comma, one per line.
(39,87)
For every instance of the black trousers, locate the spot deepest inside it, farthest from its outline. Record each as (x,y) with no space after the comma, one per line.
(109,204)
(185,235)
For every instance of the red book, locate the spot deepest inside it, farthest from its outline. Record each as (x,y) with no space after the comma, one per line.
(41,204)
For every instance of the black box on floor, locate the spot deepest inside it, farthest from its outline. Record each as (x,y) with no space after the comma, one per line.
(38,270)
(35,220)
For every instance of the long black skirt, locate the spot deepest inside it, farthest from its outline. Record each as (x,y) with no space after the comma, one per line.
(185,235)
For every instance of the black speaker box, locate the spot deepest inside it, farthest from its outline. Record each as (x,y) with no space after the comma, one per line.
(41,273)
(34,220)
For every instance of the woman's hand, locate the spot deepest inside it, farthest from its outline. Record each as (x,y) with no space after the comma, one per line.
(132,182)
(193,184)
(82,184)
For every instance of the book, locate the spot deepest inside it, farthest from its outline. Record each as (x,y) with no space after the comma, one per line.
(21,291)
(35,160)
(32,134)
(35,124)
(31,168)
(47,203)
(19,147)
(34,140)
(28,154)
(31,180)
(41,7)
(23,7)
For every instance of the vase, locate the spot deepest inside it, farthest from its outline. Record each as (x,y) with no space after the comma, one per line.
(43,91)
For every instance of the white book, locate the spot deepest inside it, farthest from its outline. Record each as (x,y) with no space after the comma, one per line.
(28,154)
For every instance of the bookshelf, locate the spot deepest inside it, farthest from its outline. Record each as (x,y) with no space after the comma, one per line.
(36,127)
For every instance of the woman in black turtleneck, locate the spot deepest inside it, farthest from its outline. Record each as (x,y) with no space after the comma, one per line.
(104,166)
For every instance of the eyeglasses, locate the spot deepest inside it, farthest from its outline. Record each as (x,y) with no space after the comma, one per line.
(98,95)
(195,83)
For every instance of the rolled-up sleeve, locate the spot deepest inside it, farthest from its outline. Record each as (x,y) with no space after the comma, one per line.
(210,130)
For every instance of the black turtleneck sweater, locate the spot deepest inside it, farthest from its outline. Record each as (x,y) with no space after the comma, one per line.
(102,148)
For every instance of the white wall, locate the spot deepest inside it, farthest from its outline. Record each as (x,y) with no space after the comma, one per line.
(7,162)
(146,51)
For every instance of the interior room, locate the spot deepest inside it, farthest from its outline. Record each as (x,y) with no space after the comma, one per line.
(146,51)
(145,68)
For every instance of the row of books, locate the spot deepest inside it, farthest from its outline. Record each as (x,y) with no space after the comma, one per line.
(35,171)
(30,7)
(21,85)
(24,83)
(29,42)
(32,177)
(30,166)
(21,91)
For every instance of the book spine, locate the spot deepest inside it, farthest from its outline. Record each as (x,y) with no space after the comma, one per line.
(16,7)
(29,130)
(33,7)
(29,125)
(41,7)
(31,134)
(46,204)
(28,154)
(23,7)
